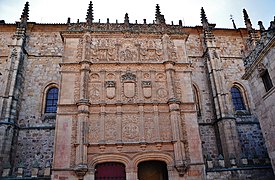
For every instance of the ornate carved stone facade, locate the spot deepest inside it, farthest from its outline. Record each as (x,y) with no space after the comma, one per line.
(128,93)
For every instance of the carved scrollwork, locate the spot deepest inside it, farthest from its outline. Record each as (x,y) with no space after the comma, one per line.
(128,77)
(146,84)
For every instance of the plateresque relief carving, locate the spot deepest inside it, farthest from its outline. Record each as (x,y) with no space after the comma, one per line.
(130,127)
(147,89)
(110,89)
(129,84)
(125,49)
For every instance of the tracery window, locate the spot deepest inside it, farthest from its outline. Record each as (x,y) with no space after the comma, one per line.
(51,100)
(237,99)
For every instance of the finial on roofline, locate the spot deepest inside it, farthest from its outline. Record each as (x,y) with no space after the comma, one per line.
(232,19)
(204,20)
(90,14)
(261,26)
(247,20)
(126,19)
(25,15)
(159,17)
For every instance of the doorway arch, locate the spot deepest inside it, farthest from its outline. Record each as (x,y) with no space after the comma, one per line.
(153,170)
(110,170)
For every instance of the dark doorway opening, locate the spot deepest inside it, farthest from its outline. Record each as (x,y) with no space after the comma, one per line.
(152,170)
(110,170)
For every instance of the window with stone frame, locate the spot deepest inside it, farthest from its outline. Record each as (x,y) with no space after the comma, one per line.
(51,100)
(237,99)
(266,80)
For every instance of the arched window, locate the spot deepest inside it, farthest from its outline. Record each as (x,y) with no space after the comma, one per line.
(51,100)
(237,99)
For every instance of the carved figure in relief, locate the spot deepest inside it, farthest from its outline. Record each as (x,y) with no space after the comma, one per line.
(150,51)
(128,55)
(169,48)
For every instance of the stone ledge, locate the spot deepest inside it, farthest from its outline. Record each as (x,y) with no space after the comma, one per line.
(239,168)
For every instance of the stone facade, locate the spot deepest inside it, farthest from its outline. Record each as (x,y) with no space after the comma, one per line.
(258,62)
(128,93)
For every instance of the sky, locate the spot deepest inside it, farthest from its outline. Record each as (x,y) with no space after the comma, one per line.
(217,11)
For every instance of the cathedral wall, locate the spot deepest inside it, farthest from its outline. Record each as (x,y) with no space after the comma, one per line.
(5,40)
(264,101)
(232,65)
(36,132)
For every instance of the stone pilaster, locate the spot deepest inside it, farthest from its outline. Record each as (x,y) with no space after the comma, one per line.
(179,152)
(83,115)
(11,99)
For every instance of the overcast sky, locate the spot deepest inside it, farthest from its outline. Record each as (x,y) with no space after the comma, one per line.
(217,11)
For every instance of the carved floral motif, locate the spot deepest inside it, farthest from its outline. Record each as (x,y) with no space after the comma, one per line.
(110,128)
(130,127)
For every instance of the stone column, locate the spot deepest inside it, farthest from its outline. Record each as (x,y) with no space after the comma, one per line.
(82,118)
(174,107)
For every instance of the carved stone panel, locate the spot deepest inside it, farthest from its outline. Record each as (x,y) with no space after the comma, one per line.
(94,128)
(165,127)
(94,90)
(149,127)
(130,127)
(110,128)
(125,49)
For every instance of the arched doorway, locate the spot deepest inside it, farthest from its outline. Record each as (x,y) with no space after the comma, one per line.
(153,170)
(110,170)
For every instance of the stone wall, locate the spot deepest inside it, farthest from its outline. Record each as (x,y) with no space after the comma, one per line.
(241,174)
(34,148)
(36,129)
(264,100)
(251,137)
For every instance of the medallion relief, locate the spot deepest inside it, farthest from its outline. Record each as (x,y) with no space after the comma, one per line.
(130,127)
